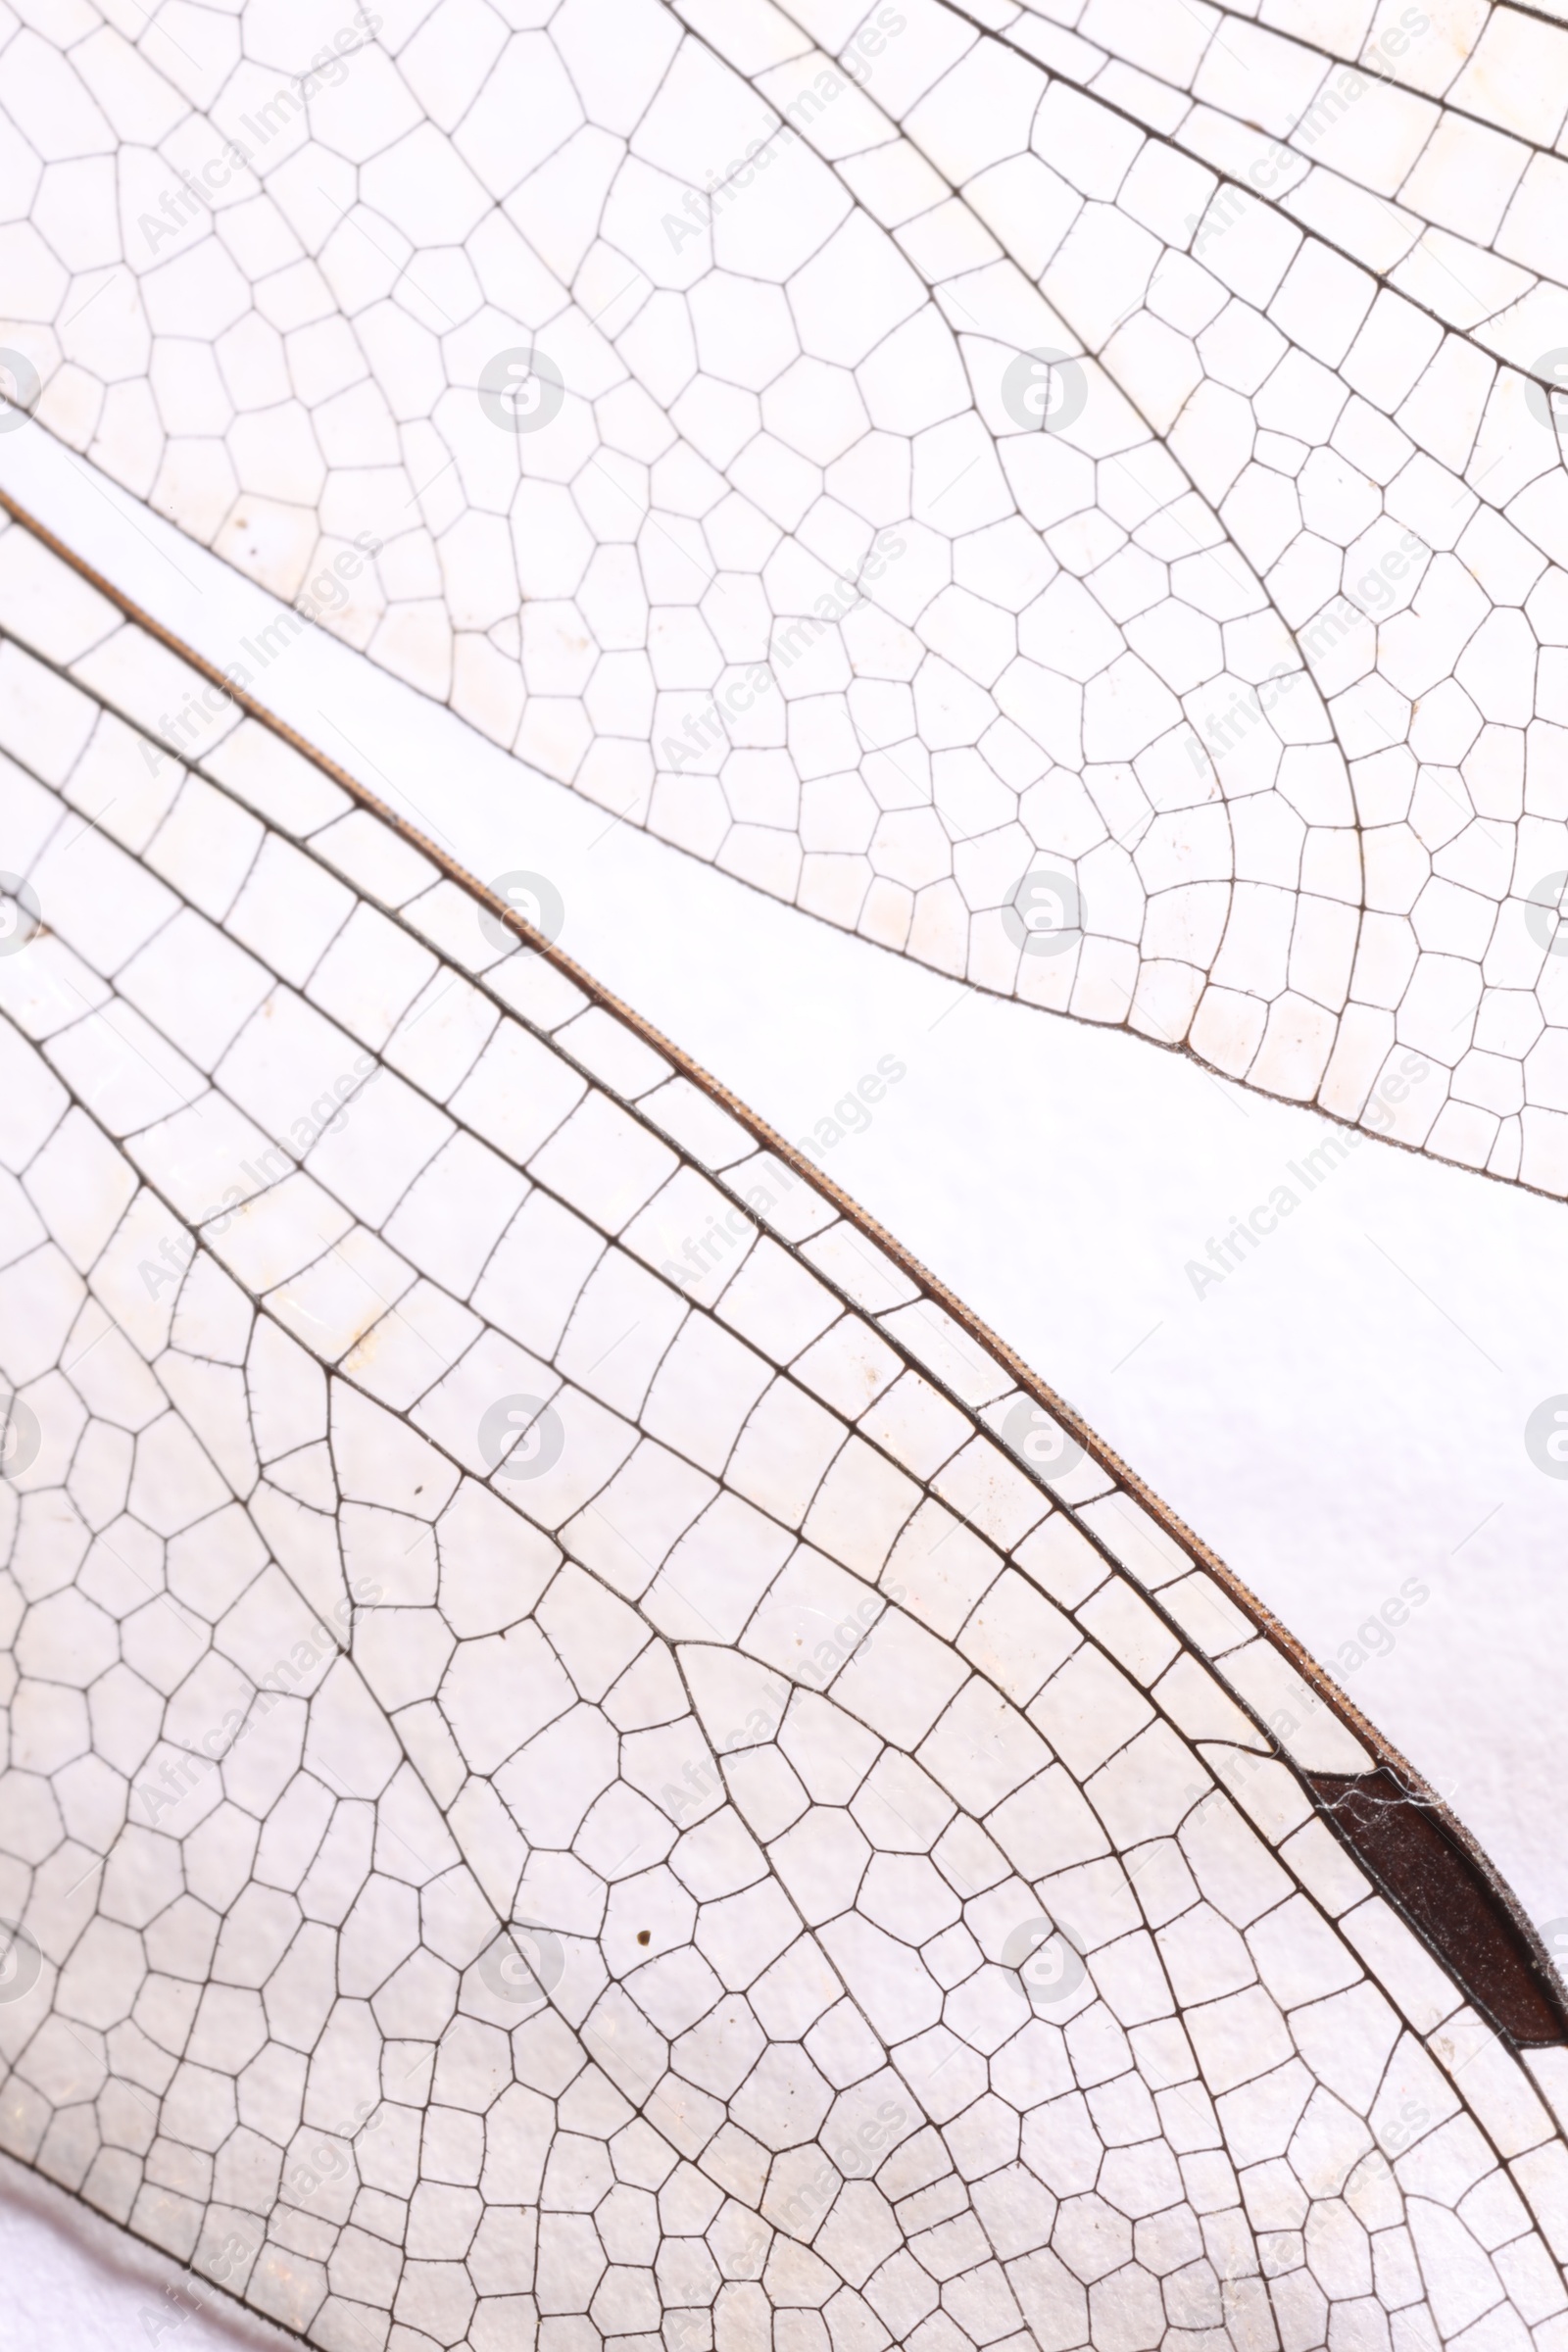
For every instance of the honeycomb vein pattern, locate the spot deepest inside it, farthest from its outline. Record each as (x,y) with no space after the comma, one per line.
(594,1893)
(1256,663)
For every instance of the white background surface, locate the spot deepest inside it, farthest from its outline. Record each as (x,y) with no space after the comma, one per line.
(1344,1413)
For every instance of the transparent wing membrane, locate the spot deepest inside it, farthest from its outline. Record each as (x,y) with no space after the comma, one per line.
(1072,495)
(590,1761)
